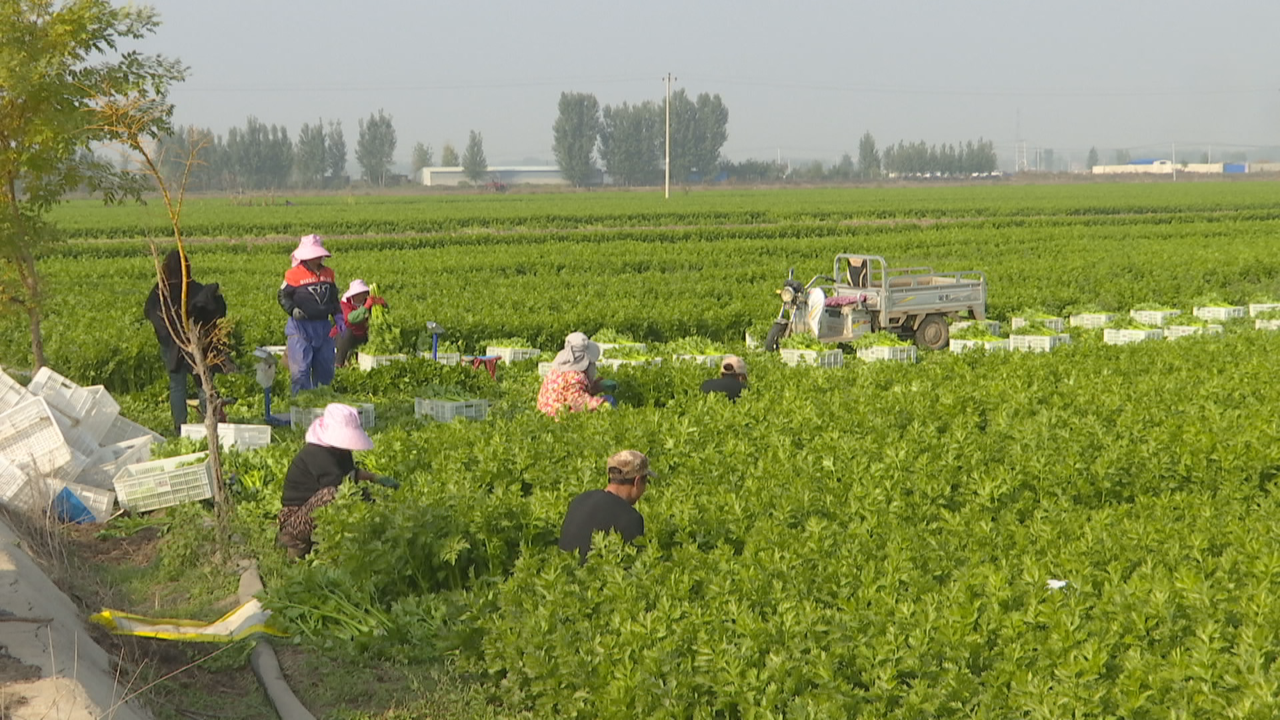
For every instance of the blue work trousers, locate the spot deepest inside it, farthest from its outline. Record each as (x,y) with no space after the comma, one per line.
(311,353)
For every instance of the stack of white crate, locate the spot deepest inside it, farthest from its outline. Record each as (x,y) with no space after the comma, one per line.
(62,445)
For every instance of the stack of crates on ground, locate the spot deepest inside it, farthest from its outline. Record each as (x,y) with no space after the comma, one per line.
(233,436)
(824,358)
(444,358)
(957,345)
(447,410)
(708,360)
(1173,332)
(1154,318)
(992,326)
(614,363)
(62,445)
(512,354)
(1055,324)
(1113,336)
(1037,343)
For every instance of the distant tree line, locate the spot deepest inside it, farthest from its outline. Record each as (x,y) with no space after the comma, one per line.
(629,140)
(258,156)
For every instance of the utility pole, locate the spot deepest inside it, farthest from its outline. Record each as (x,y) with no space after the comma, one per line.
(667,188)
(1174,150)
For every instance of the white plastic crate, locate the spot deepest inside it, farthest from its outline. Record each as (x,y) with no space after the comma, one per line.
(615,364)
(1266,324)
(90,409)
(29,436)
(825,358)
(958,346)
(629,347)
(162,483)
(708,360)
(105,464)
(1157,318)
(1219,313)
(992,326)
(899,353)
(1256,309)
(18,490)
(512,354)
(1173,332)
(98,502)
(11,393)
(544,368)
(303,417)
(1092,320)
(123,429)
(447,410)
(444,358)
(1055,324)
(232,435)
(1112,336)
(366,361)
(1037,343)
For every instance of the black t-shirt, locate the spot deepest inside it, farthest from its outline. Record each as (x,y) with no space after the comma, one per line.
(315,467)
(728,385)
(598,510)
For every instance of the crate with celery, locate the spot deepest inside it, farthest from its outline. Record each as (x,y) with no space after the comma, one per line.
(387,340)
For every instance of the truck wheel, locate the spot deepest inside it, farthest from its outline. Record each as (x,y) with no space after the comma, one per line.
(775,334)
(933,333)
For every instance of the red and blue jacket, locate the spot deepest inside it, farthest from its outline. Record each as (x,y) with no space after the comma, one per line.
(315,293)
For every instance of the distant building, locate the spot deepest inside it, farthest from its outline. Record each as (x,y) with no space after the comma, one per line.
(510,174)
(1165,167)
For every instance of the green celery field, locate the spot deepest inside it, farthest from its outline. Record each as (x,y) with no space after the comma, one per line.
(876,540)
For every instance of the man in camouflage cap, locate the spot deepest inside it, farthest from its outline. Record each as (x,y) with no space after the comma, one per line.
(611,509)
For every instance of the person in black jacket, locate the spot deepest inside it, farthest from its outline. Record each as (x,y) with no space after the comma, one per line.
(205,306)
(315,474)
(732,380)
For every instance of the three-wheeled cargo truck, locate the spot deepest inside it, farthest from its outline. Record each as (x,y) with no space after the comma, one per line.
(863,294)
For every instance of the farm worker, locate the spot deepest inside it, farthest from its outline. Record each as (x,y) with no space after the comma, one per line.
(732,380)
(352,327)
(611,509)
(573,382)
(309,294)
(316,472)
(205,307)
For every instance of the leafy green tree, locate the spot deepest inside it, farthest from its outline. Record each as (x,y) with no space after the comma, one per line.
(421,158)
(59,69)
(868,157)
(309,161)
(1047,160)
(1122,157)
(335,148)
(449,156)
(1092,160)
(575,133)
(844,170)
(474,164)
(631,143)
(376,147)
(699,129)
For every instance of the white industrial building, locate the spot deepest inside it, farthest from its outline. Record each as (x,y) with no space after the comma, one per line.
(1166,167)
(510,174)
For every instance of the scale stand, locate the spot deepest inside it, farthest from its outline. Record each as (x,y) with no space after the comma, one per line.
(266,372)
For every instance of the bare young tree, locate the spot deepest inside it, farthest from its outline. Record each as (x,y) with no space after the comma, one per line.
(131,120)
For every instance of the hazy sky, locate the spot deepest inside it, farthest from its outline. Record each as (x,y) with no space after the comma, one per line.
(803,78)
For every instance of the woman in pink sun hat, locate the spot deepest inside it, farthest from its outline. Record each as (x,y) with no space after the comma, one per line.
(309,294)
(319,468)
(352,327)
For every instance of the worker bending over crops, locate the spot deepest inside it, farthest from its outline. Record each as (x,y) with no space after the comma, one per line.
(573,383)
(732,380)
(351,328)
(309,294)
(205,307)
(611,509)
(319,468)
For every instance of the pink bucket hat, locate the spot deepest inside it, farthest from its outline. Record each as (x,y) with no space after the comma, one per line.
(309,247)
(339,427)
(355,288)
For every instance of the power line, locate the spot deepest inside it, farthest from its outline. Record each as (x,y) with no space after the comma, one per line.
(887,90)
(410,88)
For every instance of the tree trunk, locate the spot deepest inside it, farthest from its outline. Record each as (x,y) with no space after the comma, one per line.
(212,409)
(31,281)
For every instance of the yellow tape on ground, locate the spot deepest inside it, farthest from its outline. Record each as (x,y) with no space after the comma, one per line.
(248,619)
